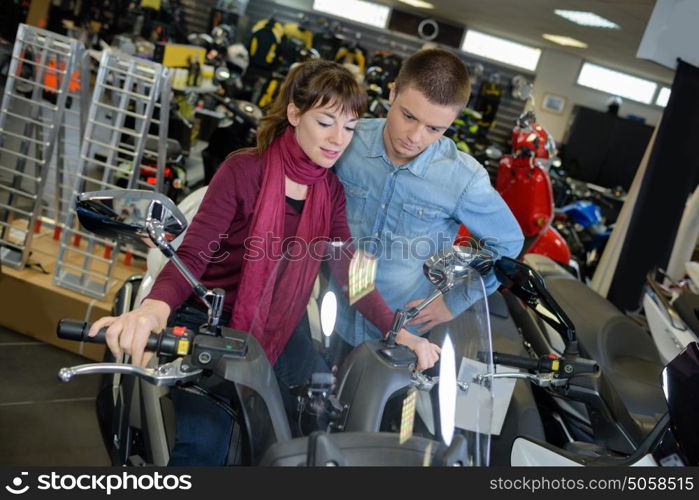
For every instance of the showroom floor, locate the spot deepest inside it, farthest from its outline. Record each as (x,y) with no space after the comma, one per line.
(44,421)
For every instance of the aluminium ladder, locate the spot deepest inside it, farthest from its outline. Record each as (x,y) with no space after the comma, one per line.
(47,72)
(128,93)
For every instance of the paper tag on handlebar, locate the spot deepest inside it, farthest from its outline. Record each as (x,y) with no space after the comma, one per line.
(362,275)
(407,418)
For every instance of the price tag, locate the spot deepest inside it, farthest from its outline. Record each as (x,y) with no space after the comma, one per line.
(362,275)
(407,419)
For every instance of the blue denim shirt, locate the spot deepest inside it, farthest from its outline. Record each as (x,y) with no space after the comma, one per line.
(406,214)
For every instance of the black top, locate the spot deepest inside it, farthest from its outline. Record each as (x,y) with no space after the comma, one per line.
(296,204)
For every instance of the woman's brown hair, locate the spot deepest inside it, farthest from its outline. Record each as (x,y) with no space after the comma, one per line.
(310,84)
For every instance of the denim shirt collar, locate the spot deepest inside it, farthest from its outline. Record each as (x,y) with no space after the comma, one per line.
(417,166)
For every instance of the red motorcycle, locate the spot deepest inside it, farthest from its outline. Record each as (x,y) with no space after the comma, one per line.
(523,182)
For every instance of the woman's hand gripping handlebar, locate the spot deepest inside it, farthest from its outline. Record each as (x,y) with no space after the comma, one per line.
(176,341)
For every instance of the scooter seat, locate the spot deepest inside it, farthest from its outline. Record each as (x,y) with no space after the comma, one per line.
(623,349)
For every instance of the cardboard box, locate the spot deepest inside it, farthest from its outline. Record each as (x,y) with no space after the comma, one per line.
(30,304)
(175,55)
(38,14)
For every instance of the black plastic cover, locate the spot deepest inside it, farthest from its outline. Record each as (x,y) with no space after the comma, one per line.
(681,385)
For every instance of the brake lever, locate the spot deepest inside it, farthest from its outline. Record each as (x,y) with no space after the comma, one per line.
(167,374)
(547,380)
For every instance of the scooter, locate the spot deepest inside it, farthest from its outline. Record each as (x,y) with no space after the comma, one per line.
(524,184)
(583,228)
(625,412)
(383,358)
(229,363)
(671,311)
(585,218)
(670,300)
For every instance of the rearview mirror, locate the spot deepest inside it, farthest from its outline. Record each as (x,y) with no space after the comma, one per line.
(529,286)
(126,214)
(452,265)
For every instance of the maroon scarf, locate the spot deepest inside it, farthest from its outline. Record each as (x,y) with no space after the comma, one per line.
(273,292)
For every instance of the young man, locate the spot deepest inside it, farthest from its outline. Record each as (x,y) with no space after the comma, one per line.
(408,189)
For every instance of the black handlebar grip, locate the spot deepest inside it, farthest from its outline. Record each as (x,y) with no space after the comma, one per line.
(582,365)
(515,361)
(73,329)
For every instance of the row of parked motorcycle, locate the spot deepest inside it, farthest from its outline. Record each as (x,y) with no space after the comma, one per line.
(568,220)
(543,372)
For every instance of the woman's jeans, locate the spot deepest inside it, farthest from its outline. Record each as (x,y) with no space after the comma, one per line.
(203,428)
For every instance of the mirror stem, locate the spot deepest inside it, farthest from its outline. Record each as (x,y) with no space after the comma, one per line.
(571,348)
(213,299)
(214,303)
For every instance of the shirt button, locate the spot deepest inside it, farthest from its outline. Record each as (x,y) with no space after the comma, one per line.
(383,206)
(376,234)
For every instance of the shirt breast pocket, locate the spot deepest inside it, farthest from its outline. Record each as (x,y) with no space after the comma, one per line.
(418,219)
(356,196)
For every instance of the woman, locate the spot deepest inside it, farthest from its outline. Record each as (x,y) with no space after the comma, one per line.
(279,191)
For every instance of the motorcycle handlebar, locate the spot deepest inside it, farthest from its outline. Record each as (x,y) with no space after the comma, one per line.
(174,341)
(542,364)
(562,366)
(582,365)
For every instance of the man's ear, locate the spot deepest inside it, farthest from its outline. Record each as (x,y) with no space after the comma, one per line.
(293,114)
(392,92)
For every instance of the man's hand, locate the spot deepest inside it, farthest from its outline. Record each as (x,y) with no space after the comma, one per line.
(435,313)
(427,352)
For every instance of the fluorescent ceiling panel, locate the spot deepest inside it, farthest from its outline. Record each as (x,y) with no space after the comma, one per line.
(589,19)
(617,83)
(355,10)
(501,50)
(418,3)
(565,40)
(663,97)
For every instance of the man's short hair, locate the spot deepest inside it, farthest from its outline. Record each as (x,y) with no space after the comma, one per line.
(439,74)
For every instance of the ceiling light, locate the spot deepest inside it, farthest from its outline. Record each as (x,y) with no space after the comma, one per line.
(502,50)
(663,97)
(360,11)
(617,83)
(565,40)
(586,19)
(418,3)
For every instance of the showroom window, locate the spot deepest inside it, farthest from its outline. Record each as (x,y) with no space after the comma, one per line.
(355,10)
(663,97)
(617,83)
(501,50)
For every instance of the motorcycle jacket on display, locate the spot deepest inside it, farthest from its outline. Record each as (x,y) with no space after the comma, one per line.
(264,42)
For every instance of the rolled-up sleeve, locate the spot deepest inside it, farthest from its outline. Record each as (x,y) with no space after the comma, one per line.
(493,227)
